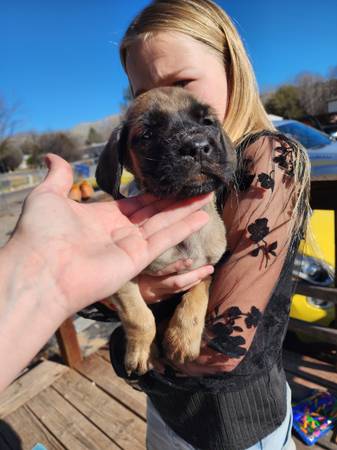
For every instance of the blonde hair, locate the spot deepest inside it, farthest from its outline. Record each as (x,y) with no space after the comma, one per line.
(206,22)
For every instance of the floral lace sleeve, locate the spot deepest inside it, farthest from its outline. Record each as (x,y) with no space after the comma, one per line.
(260,221)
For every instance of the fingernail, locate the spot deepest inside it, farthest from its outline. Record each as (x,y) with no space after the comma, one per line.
(211,269)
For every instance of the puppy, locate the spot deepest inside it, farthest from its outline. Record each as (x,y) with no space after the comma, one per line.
(175,147)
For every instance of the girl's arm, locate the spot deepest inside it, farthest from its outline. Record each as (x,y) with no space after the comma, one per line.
(263,215)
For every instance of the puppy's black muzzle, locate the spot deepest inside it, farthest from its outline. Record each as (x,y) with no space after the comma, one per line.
(198,148)
(195,160)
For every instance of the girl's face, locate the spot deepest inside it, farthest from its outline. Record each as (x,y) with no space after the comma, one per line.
(175,59)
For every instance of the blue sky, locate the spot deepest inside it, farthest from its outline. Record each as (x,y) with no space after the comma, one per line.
(59,59)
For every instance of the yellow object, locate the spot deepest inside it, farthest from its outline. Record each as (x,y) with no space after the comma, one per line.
(127,177)
(322,229)
(302,309)
(319,245)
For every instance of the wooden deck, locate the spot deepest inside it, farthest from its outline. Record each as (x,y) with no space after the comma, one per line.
(86,409)
(91,409)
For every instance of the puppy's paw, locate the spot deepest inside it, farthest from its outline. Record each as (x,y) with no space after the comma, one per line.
(182,343)
(139,356)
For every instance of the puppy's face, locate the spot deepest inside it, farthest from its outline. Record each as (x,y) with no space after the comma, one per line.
(173,145)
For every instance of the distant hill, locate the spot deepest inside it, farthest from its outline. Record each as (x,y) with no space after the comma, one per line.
(103,127)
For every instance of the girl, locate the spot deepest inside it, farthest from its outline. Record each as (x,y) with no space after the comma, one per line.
(235,395)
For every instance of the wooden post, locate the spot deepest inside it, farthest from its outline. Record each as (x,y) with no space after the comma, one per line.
(67,339)
(335,277)
(324,196)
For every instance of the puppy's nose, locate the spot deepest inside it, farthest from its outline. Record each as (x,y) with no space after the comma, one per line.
(197,148)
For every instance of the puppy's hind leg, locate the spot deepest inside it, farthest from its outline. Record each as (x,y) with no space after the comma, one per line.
(182,339)
(139,326)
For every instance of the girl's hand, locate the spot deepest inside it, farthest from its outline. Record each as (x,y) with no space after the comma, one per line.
(169,281)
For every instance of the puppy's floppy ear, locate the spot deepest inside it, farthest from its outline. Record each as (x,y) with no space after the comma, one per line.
(110,164)
(230,150)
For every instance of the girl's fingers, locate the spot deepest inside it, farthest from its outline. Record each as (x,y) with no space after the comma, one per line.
(155,288)
(173,233)
(186,280)
(129,206)
(178,266)
(143,208)
(173,214)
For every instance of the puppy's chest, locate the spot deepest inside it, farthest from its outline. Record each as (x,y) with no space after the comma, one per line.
(206,246)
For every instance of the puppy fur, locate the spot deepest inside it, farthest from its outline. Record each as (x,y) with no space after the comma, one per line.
(175,148)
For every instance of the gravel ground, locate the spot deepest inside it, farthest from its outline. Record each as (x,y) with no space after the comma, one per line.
(9,214)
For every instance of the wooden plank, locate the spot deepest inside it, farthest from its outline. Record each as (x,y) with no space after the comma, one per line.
(325,334)
(123,427)
(323,293)
(300,387)
(104,353)
(321,178)
(100,371)
(69,347)
(30,431)
(324,192)
(71,428)
(30,384)
(311,369)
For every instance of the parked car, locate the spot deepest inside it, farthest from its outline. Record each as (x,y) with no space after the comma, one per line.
(322,148)
(314,263)
(324,122)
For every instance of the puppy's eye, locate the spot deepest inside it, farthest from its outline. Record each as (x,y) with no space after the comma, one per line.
(147,134)
(208,121)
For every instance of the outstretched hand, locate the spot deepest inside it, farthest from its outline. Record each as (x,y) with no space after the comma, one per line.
(91,250)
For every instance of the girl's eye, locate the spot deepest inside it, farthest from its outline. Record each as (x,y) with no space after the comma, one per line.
(181,83)
(208,121)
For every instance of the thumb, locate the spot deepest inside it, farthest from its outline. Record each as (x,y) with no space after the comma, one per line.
(59,178)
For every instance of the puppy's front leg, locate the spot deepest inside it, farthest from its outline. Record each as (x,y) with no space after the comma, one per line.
(139,326)
(183,336)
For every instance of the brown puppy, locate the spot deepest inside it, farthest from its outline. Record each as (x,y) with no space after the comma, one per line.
(175,147)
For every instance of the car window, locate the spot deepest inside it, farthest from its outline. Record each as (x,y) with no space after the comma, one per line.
(307,136)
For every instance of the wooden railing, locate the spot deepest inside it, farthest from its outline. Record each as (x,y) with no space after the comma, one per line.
(323,196)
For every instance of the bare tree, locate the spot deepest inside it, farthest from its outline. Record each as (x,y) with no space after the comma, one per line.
(309,91)
(8,122)
(62,144)
(10,154)
(332,73)
(315,91)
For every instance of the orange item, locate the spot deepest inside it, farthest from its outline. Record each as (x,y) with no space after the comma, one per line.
(86,190)
(75,193)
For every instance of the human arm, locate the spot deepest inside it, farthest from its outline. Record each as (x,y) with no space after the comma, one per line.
(64,255)
(263,215)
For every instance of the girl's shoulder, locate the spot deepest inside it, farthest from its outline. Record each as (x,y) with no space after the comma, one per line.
(269,141)
(272,151)
(269,161)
